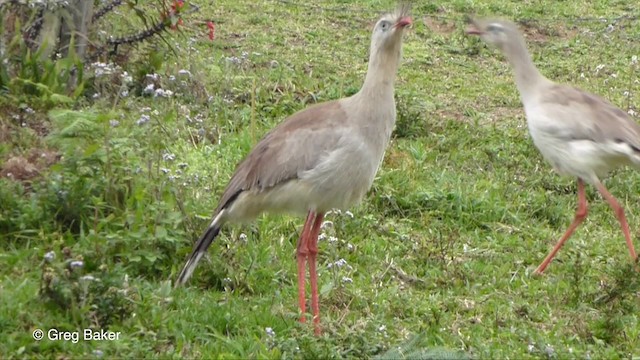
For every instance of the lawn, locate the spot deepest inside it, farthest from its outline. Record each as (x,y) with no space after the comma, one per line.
(438,259)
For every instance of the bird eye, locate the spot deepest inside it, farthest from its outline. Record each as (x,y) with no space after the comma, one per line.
(385,25)
(494,28)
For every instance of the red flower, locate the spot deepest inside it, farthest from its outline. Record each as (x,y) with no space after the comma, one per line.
(177,5)
(174,14)
(212,30)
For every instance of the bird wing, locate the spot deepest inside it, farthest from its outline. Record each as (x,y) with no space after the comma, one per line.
(585,116)
(296,145)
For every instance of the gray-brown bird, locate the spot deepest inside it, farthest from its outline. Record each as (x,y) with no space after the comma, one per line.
(321,158)
(579,133)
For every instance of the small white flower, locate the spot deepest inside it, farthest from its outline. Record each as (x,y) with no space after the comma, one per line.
(349,214)
(98,353)
(599,67)
(165,170)
(632,112)
(634,59)
(184,72)
(326,223)
(168,157)
(95,95)
(144,118)
(114,122)
(347,279)
(153,76)
(243,237)
(382,328)
(50,256)
(76,264)
(145,109)
(183,165)
(87,278)
(270,332)
(234,60)
(333,239)
(349,247)
(126,78)
(163,93)
(124,93)
(172,78)
(149,89)
(340,263)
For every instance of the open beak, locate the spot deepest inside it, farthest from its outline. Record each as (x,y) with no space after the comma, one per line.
(473,28)
(403,22)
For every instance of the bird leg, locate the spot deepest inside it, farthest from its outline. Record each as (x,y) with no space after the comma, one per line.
(581,214)
(619,211)
(302,254)
(313,252)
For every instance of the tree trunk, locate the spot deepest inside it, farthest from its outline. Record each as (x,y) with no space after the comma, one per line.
(75,25)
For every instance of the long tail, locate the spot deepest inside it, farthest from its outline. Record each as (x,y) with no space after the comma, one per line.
(200,249)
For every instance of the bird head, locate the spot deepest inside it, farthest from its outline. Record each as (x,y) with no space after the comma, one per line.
(387,33)
(495,32)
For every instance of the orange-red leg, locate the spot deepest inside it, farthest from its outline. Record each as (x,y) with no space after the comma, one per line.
(581,214)
(313,252)
(619,211)
(302,254)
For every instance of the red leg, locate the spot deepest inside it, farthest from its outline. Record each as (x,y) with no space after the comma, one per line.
(619,211)
(302,254)
(581,214)
(313,252)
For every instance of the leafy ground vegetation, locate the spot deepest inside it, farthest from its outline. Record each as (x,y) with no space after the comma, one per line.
(101,198)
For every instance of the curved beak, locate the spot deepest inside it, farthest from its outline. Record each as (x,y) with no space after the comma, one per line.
(403,22)
(473,28)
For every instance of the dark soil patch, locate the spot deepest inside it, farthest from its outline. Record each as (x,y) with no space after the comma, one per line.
(439,26)
(536,32)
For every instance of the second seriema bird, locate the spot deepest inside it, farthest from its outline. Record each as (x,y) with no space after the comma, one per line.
(318,159)
(579,133)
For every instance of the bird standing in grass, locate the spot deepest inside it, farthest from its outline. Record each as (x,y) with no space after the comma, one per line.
(579,133)
(318,159)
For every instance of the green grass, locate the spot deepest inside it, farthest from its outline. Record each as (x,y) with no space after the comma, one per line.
(439,256)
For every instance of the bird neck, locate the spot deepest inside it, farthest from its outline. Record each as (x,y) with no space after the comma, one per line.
(381,73)
(528,77)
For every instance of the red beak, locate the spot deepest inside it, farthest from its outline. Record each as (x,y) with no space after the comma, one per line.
(473,30)
(405,21)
